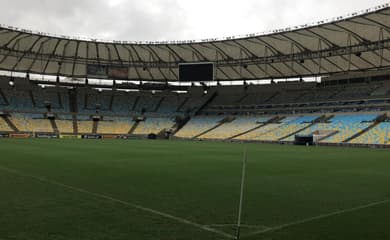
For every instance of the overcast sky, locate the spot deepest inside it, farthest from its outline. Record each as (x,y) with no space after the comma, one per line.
(138,20)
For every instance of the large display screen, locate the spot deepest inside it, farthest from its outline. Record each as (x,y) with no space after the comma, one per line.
(196,72)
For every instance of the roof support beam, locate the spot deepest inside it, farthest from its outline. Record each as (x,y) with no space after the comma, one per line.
(38,55)
(61,64)
(138,56)
(152,55)
(75,57)
(52,54)
(26,51)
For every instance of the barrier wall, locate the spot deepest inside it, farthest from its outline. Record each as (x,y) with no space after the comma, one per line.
(20,135)
(70,136)
(91,136)
(110,137)
(46,135)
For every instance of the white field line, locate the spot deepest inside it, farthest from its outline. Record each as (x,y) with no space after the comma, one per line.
(125,203)
(319,217)
(242,225)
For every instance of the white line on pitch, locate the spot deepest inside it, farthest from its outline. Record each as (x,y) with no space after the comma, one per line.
(129,204)
(242,225)
(319,217)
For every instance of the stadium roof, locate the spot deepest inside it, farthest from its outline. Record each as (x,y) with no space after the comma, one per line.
(358,42)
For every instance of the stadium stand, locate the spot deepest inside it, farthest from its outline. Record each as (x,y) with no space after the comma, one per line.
(115,125)
(241,124)
(378,135)
(274,112)
(65,126)
(19,100)
(256,135)
(289,125)
(123,103)
(4,127)
(84,124)
(341,127)
(197,125)
(154,125)
(31,123)
(171,103)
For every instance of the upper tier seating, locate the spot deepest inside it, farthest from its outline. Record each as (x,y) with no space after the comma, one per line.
(171,103)
(100,101)
(123,104)
(3,100)
(147,104)
(18,100)
(43,96)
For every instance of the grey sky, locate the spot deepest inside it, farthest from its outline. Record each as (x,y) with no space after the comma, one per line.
(169,19)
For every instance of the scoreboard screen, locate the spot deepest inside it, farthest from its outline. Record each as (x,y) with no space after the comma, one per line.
(196,72)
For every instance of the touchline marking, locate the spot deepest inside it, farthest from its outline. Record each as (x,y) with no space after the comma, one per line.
(129,204)
(319,217)
(242,225)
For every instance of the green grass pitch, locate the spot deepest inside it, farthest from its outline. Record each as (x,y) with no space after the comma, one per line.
(148,190)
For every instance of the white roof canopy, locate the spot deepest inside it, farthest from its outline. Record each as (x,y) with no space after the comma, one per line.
(358,43)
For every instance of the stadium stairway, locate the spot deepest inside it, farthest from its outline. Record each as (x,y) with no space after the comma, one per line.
(180,123)
(375,123)
(222,122)
(74,122)
(95,126)
(242,98)
(327,136)
(159,104)
(54,125)
(111,103)
(73,101)
(30,93)
(272,120)
(207,102)
(134,127)
(5,100)
(135,103)
(272,97)
(10,123)
(179,108)
(318,120)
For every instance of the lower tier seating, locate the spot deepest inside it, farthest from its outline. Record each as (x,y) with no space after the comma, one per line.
(65,126)
(380,134)
(237,126)
(257,134)
(198,125)
(4,126)
(115,126)
(31,123)
(154,125)
(339,128)
(289,126)
(84,126)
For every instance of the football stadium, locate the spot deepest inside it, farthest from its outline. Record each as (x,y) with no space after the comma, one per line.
(278,135)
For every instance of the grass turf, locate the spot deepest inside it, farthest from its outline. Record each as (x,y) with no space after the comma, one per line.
(195,181)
